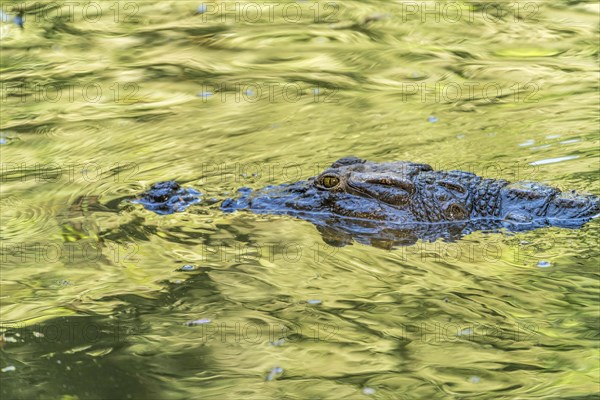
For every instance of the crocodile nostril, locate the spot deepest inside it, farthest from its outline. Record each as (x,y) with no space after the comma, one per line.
(455,212)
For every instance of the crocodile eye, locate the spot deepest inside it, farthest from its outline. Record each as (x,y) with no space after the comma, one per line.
(454,212)
(330,181)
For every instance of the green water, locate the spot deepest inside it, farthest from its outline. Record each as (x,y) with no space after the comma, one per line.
(102,99)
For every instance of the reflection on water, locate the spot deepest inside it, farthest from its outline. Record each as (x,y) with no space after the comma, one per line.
(99,101)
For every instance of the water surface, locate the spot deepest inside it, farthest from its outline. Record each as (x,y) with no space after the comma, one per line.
(100,102)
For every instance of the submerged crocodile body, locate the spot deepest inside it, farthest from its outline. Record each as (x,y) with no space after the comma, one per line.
(398,202)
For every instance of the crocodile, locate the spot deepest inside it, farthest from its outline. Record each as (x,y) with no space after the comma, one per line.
(391,203)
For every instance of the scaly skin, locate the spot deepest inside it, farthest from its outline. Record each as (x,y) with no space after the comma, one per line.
(399,202)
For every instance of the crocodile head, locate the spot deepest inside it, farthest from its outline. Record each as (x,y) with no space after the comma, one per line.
(407,193)
(351,188)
